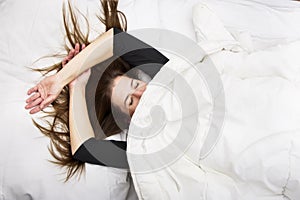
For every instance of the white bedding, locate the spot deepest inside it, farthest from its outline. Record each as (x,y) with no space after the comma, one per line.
(32,29)
(256,155)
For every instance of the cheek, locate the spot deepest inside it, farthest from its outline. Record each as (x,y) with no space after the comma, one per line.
(132,109)
(134,105)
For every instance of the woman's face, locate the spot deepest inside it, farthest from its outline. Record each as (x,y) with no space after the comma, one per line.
(126,93)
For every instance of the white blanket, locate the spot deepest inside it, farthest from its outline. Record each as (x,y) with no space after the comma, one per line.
(255,154)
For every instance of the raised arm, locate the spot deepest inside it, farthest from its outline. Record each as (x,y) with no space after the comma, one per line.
(113,42)
(98,51)
(110,152)
(47,90)
(84,146)
(79,123)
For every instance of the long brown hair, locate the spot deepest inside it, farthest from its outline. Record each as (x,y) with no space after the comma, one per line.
(57,120)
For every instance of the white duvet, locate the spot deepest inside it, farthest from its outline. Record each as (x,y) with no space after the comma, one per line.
(192,139)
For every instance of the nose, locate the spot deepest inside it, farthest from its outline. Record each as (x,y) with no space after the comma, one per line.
(139,91)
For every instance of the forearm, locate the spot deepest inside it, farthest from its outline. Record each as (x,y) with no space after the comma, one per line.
(98,51)
(79,123)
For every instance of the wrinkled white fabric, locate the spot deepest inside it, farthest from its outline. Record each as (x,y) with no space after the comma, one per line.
(257,153)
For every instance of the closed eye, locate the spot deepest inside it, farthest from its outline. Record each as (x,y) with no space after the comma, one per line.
(136,85)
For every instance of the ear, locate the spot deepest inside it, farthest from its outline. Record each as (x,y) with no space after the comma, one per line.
(139,74)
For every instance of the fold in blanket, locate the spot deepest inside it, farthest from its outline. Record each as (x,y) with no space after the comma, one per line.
(256,154)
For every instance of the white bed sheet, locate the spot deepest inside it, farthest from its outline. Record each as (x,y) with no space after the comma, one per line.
(29,30)
(32,29)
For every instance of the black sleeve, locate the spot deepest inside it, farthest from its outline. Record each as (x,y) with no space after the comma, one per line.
(137,53)
(110,153)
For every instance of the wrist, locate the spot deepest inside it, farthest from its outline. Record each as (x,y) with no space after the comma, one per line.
(64,77)
(60,80)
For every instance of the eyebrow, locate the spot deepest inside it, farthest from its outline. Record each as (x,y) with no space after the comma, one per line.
(128,94)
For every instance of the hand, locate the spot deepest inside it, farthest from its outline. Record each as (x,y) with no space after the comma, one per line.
(46,91)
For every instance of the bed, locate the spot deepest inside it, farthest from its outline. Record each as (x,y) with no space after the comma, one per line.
(33,29)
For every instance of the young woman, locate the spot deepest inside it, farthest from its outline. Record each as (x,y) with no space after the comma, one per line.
(70,129)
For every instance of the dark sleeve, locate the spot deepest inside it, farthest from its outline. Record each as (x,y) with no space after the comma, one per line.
(137,53)
(110,153)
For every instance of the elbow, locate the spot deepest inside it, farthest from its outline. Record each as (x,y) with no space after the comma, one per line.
(73,153)
(74,150)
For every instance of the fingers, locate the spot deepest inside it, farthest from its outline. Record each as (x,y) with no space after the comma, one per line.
(31,90)
(34,103)
(77,49)
(33,97)
(34,100)
(68,58)
(72,53)
(64,62)
(39,104)
(35,110)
